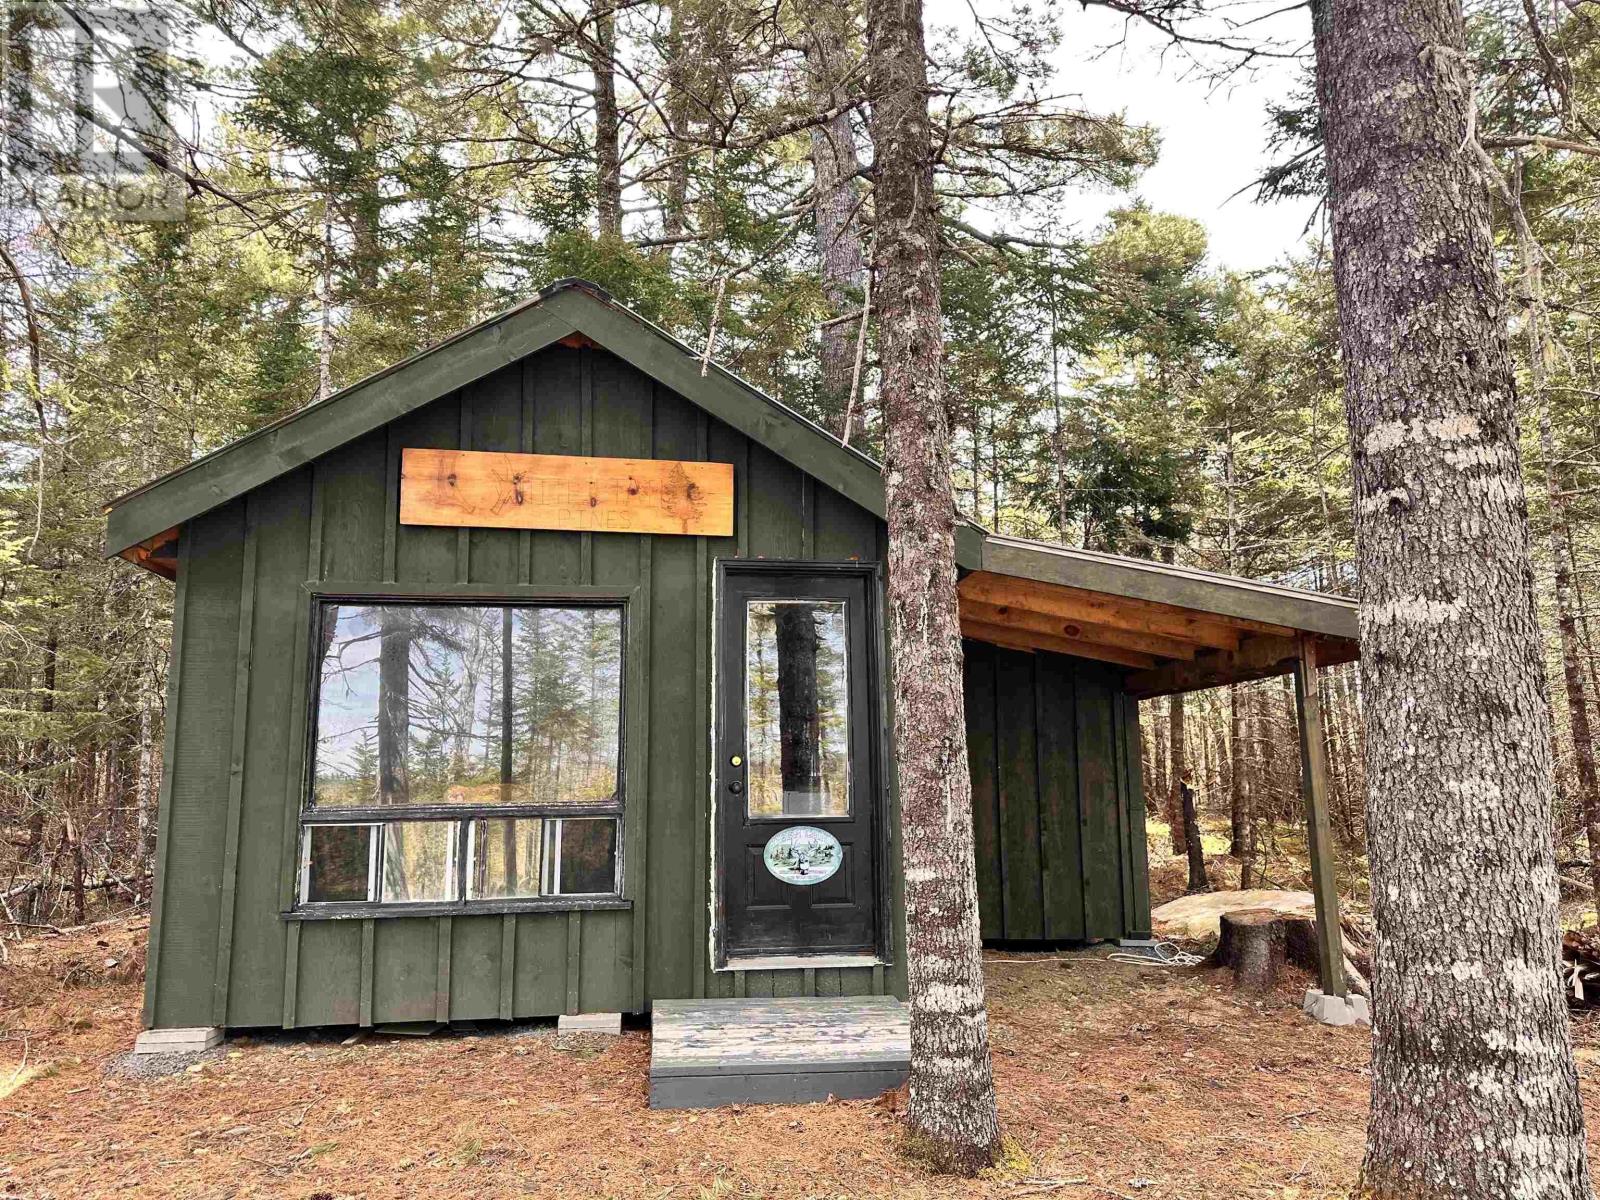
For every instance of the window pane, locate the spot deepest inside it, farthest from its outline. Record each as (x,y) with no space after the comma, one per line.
(409,705)
(566,705)
(581,856)
(797,709)
(505,859)
(419,861)
(338,863)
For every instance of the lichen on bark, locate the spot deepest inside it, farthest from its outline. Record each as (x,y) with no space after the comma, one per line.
(951,1109)
(1474,1090)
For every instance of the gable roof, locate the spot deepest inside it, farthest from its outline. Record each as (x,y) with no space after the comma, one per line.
(141,524)
(564,309)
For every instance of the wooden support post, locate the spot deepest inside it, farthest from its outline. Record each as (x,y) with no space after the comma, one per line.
(1319,835)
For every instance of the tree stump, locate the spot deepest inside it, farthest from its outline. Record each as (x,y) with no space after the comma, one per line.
(1300,943)
(1252,947)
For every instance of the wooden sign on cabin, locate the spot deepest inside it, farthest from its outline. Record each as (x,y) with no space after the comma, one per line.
(564,491)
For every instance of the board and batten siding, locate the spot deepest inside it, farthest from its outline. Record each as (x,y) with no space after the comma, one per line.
(223,953)
(1057,798)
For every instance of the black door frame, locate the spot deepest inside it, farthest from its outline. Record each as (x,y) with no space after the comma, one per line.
(878,754)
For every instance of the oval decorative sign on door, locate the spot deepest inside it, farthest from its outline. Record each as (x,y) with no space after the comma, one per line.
(803,854)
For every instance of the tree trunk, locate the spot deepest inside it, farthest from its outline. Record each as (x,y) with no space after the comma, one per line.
(1585,635)
(325,305)
(1300,946)
(394,704)
(1474,1090)
(1193,846)
(1216,742)
(675,198)
(1147,768)
(1176,824)
(1238,781)
(1350,704)
(1250,736)
(607,124)
(834,164)
(1539,353)
(952,1100)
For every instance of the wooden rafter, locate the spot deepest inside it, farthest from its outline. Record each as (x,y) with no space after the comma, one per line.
(1022,639)
(1099,608)
(1035,621)
(158,554)
(1257,658)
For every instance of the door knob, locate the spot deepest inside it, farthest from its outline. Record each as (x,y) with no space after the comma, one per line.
(736,787)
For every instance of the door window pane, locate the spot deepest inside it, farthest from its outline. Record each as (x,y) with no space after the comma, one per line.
(419,861)
(409,705)
(581,856)
(566,705)
(337,864)
(797,709)
(504,859)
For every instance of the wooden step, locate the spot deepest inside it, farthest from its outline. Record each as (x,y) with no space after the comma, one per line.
(707,1053)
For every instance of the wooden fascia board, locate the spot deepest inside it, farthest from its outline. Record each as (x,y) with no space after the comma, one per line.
(969,546)
(1329,616)
(324,427)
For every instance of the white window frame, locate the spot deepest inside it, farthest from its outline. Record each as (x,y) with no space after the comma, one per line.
(374,837)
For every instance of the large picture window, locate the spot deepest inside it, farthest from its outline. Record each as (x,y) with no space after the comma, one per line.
(463,754)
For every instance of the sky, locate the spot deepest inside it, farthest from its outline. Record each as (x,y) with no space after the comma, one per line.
(1213,137)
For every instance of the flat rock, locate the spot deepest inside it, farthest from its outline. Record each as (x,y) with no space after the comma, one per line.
(1198,917)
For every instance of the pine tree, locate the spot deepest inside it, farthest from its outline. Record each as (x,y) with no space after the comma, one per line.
(952,1102)
(1474,1089)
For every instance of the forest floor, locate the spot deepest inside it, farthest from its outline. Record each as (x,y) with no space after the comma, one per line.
(1114,1080)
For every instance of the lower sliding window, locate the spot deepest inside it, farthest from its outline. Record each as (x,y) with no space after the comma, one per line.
(463,754)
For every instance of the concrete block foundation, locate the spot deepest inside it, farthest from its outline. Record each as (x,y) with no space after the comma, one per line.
(590,1023)
(1337,1010)
(191,1040)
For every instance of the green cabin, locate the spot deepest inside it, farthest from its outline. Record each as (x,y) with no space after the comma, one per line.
(545,673)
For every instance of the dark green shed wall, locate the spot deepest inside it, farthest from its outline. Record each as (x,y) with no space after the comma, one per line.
(1057,801)
(221,953)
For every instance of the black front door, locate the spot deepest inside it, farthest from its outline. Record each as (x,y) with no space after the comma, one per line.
(797,777)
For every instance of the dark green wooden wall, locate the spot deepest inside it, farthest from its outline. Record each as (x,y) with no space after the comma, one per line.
(222,953)
(1057,801)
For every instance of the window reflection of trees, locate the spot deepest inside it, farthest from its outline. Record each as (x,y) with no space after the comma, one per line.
(796,708)
(566,692)
(411,705)
(473,707)
(419,859)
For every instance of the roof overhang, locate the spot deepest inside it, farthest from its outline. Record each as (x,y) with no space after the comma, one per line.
(1175,629)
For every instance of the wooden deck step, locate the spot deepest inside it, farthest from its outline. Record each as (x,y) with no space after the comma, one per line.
(706,1053)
